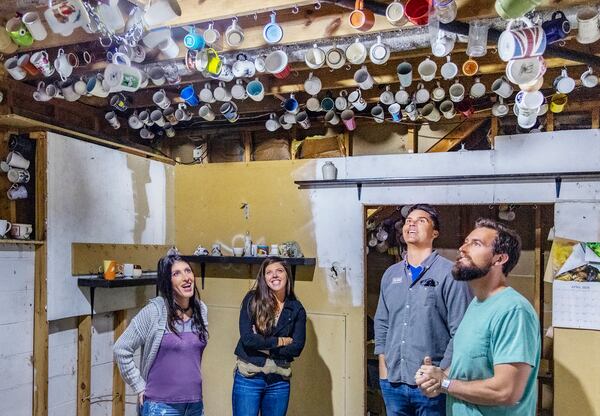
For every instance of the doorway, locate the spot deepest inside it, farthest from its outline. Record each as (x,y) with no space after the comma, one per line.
(384,247)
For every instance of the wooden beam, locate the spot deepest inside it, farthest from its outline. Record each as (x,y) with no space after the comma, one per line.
(118,402)
(84,364)
(596,117)
(247,138)
(413,139)
(549,121)
(493,132)
(40,297)
(40,334)
(457,135)
(538,285)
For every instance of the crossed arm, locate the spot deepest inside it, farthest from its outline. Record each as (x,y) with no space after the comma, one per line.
(504,388)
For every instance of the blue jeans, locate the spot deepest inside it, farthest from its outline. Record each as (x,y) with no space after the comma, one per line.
(269,393)
(150,408)
(405,400)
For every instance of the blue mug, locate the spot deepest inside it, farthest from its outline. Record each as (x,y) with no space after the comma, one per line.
(194,40)
(291,105)
(189,96)
(556,28)
(327,103)
(229,110)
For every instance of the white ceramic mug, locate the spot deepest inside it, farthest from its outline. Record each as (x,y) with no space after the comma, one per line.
(206,94)
(62,65)
(356,100)
(364,80)
(427,69)
(404,72)
(395,13)
(41,61)
(234,34)
(447,109)
(477,89)
(378,114)
(386,97)
(16,160)
(221,93)
(206,113)
(335,58)
(16,191)
(169,48)
(313,84)
(112,119)
(379,53)
(332,118)
(356,53)
(449,70)
(5,227)
(314,57)
(564,84)
(18,175)
(502,88)
(21,231)
(422,94)
(588,78)
(456,92)
(238,91)
(160,99)
(34,25)
(431,113)
(402,97)
(341,102)
(157,117)
(13,68)
(587,19)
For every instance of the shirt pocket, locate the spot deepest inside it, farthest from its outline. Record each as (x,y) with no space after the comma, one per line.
(430,296)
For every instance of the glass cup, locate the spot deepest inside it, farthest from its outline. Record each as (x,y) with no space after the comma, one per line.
(478,34)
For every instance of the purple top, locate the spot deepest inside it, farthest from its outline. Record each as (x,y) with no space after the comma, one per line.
(175,375)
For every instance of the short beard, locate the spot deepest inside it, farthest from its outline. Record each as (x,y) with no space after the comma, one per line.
(468,273)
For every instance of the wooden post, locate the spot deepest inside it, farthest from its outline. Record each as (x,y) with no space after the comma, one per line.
(247,138)
(493,132)
(84,364)
(538,290)
(549,121)
(40,335)
(40,296)
(596,118)
(118,403)
(413,140)
(348,143)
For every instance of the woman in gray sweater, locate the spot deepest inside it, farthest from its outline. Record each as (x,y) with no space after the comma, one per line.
(171,331)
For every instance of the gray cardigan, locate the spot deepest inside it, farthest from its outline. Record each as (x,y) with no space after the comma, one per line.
(146,331)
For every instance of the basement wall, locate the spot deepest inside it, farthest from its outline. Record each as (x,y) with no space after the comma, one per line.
(328,223)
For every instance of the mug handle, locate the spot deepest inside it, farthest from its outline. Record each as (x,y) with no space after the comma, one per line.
(9,225)
(557,14)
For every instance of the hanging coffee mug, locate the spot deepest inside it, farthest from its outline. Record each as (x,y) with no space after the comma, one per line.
(16,191)
(18,32)
(194,40)
(521,43)
(272,32)
(360,18)
(234,34)
(557,28)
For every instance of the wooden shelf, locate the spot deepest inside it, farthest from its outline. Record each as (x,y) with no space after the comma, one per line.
(22,242)
(96,282)
(292,261)
(203,260)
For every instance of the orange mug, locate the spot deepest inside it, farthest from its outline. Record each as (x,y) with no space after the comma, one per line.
(361,19)
(470,67)
(110,269)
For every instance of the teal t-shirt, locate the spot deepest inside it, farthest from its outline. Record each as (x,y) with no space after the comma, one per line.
(500,330)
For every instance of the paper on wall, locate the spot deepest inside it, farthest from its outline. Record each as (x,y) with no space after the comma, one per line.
(559,253)
(578,221)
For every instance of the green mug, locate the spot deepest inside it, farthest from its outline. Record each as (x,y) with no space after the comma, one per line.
(512,9)
(18,32)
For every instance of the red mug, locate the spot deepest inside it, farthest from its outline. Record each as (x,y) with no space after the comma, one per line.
(417,11)
(361,19)
(465,107)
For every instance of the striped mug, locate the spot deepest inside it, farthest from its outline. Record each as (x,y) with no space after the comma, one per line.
(521,43)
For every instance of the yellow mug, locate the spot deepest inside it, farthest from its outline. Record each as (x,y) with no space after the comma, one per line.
(110,269)
(214,63)
(558,103)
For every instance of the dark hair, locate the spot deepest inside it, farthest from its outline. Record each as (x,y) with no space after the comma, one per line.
(165,288)
(430,209)
(507,242)
(263,307)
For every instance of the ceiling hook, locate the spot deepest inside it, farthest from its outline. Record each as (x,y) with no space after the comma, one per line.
(295,9)
(255,15)
(318,5)
(273,13)
(235,19)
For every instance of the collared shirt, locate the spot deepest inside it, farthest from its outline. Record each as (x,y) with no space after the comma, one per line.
(418,319)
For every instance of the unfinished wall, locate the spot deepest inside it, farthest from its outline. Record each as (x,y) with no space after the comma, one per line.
(329,225)
(97,195)
(16,330)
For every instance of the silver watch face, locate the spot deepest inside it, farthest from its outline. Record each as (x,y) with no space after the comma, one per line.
(445,383)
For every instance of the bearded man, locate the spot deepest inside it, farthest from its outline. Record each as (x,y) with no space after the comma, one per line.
(497,344)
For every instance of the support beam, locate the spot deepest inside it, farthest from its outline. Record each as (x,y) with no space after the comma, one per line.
(413,139)
(84,364)
(118,401)
(247,138)
(596,118)
(549,121)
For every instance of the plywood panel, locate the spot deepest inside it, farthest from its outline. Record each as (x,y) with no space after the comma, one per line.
(88,257)
(576,369)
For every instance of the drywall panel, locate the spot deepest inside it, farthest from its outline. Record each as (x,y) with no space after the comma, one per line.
(100,195)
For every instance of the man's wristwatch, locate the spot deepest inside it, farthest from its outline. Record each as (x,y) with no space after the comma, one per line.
(445,385)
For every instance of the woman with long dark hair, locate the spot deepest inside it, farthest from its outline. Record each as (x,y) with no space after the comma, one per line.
(272,334)
(172,331)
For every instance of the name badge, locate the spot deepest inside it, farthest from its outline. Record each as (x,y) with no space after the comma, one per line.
(397,280)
